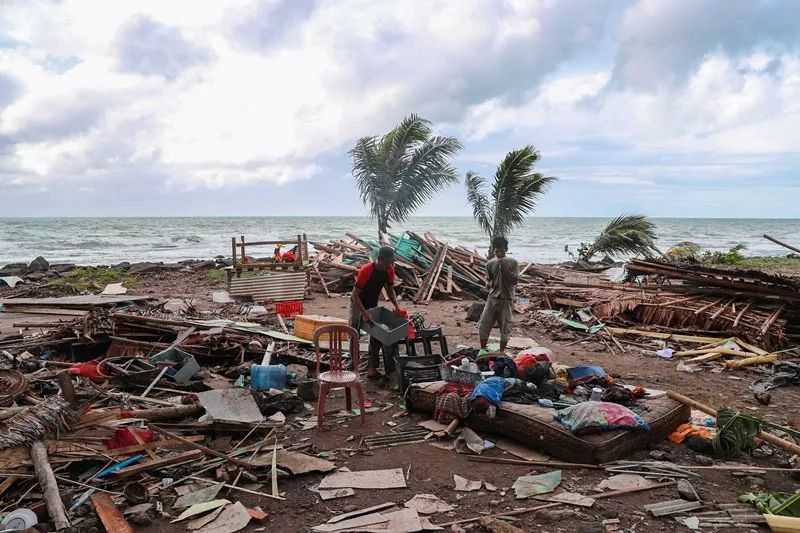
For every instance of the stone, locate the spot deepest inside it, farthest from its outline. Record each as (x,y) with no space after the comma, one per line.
(558,515)
(63,267)
(205,265)
(144,268)
(703,460)
(36,276)
(39,264)
(124,265)
(658,455)
(686,491)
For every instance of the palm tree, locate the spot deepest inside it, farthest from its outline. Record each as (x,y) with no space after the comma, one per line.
(514,194)
(626,234)
(402,170)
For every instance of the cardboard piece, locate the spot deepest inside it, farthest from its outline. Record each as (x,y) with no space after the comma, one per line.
(518,449)
(428,504)
(466,485)
(335,493)
(233,518)
(570,498)
(197,523)
(366,479)
(623,482)
(234,405)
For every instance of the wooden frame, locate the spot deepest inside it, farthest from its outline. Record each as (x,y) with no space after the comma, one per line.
(239,255)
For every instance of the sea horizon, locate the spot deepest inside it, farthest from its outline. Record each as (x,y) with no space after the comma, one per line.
(110,240)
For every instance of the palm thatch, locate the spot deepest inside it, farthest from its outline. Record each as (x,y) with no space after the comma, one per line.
(400,171)
(514,193)
(36,422)
(626,234)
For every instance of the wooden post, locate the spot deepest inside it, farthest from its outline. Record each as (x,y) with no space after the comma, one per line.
(233,250)
(67,390)
(244,255)
(776,241)
(49,485)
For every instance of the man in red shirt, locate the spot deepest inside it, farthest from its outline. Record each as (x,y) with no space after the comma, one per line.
(372,278)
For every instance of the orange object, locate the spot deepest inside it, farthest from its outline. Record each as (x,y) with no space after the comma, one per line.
(688,430)
(337,377)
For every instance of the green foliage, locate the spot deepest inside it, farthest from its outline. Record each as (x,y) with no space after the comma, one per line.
(400,171)
(780,503)
(626,234)
(217,275)
(792,261)
(731,257)
(89,279)
(513,195)
(683,252)
(735,432)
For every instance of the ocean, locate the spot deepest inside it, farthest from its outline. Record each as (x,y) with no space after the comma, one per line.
(93,241)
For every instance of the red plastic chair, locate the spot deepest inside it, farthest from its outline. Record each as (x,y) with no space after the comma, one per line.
(338,377)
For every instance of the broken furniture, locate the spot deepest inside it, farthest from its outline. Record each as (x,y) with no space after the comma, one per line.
(535,426)
(426,337)
(272,279)
(338,377)
(417,369)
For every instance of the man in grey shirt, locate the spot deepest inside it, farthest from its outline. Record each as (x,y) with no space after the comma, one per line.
(502,274)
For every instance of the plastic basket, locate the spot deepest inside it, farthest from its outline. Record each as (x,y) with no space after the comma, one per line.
(289,309)
(386,327)
(456,375)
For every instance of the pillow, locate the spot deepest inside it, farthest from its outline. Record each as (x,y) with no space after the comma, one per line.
(595,417)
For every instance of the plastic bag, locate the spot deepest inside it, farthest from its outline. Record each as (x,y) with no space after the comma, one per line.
(596,417)
(87,369)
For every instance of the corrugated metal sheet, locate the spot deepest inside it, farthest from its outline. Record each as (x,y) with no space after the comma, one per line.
(278,287)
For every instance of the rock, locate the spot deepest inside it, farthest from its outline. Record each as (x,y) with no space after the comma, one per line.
(205,265)
(474,312)
(308,390)
(755,482)
(686,491)
(175,306)
(124,265)
(558,515)
(36,276)
(658,455)
(143,268)
(39,264)
(703,460)
(762,452)
(224,262)
(63,267)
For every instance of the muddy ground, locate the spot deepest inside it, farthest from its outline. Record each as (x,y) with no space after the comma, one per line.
(431,469)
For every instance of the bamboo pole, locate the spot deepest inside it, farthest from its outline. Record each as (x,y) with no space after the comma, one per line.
(776,241)
(772,439)
(47,480)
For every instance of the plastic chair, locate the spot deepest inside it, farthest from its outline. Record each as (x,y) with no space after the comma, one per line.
(338,377)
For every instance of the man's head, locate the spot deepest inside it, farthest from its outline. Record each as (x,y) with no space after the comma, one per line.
(385,257)
(499,246)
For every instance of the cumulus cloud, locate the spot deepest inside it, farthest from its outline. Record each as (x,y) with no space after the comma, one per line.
(145,46)
(185,95)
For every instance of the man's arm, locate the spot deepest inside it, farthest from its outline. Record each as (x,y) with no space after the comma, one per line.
(359,305)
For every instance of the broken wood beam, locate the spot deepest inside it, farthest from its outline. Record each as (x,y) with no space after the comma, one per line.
(205,449)
(49,485)
(781,243)
(140,468)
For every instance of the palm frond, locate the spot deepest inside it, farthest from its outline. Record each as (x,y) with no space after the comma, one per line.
(626,234)
(367,171)
(517,189)
(426,172)
(481,207)
(399,143)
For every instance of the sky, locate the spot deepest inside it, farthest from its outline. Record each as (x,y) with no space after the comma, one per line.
(671,108)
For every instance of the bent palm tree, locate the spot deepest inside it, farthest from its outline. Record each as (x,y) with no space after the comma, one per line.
(514,194)
(626,234)
(400,171)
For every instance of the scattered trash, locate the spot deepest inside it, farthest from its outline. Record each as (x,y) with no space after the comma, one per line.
(466,485)
(526,486)
(365,479)
(428,504)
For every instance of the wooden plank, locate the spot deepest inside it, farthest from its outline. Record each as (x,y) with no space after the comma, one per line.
(109,514)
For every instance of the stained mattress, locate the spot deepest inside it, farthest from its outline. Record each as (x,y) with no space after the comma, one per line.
(535,426)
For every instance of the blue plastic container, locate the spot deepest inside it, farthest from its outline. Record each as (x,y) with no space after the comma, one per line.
(265,377)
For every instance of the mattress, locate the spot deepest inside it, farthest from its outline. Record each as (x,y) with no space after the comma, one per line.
(535,426)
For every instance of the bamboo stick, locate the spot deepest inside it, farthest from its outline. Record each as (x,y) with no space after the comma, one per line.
(747,361)
(206,450)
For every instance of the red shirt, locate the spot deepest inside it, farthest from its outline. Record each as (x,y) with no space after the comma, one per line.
(371,281)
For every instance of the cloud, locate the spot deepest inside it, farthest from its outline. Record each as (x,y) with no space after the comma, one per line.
(145,46)
(210,96)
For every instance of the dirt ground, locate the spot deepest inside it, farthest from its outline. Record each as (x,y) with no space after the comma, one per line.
(431,469)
